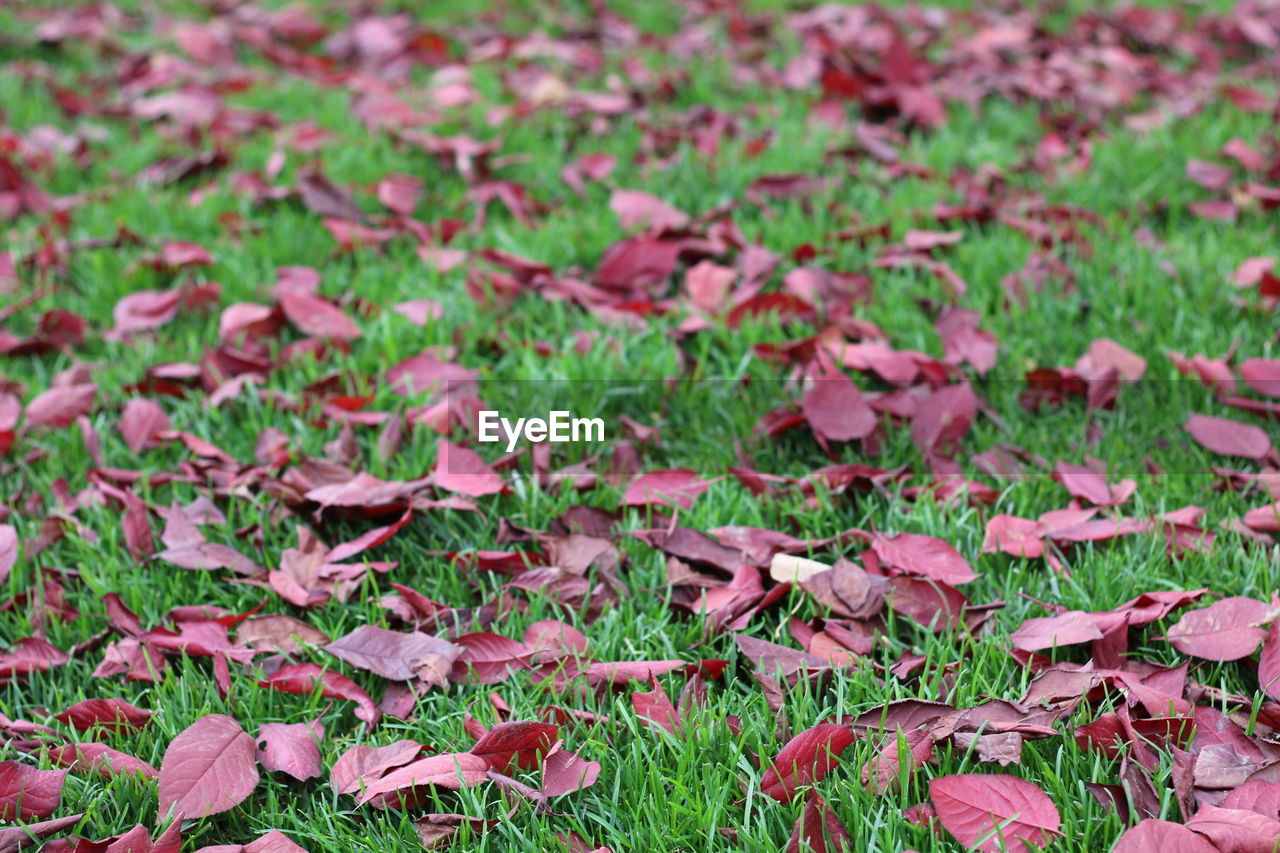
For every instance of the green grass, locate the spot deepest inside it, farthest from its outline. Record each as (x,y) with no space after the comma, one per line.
(657,791)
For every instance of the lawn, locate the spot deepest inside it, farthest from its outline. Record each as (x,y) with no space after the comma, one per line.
(975,309)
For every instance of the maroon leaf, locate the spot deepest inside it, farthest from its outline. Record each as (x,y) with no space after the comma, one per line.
(291,748)
(14,838)
(317,317)
(101,759)
(522,740)
(142,422)
(369,762)
(916,554)
(1228,437)
(399,657)
(819,829)
(565,772)
(805,759)
(1229,629)
(302,678)
(208,768)
(994,813)
(27,793)
(655,708)
(59,407)
(113,715)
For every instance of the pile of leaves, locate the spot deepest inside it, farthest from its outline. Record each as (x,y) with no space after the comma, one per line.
(299,458)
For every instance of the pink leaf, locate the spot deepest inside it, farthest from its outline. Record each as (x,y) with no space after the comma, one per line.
(1162,836)
(564,772)
(59,407)
(397,656)
(667,487)
(1229,629)
(451,770)
(994,813)
(291,748)
(1049,632)
(317,317)
(1228,437)
(461,470)
(142,422)
(916,554)
(836,410)
(1269,663)
(360,763)
(1236,830)
(1017,537)
(208,768)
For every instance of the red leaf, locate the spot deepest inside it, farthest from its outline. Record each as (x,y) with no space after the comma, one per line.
(489,657)
(1017,537)
(274,841)
(142,422)
(667,487)
(994,813)
(112,715)
(944,418)
(1236,830)
(27,793)
(836,409)
(883,772)
(400,193)
(16,837)
(452,770)
(1228,437)
(8,550)
(461,470)
(1049,632)
(819,829)
(369,762)
(1256,795)
(805,759)
(399,657)
(1269,664)
(302,678)
(655,709)
(102,759)
(564,772)
(317,317)
(59,407)
(208,768)
(522,740)
(291,748)
(916,554)
(637,209)
(371,539)
(1229,629)
(1162,836)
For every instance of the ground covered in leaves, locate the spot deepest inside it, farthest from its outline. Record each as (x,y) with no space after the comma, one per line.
(936,353)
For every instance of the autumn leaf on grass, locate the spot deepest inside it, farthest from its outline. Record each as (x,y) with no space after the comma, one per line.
(819,829)
(994,814)
(1229,629)
(1162,836)
(208,768)
(805,759)
(292,748)
(27,793)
